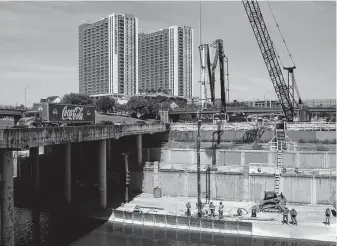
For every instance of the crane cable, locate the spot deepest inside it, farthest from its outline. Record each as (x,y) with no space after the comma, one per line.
(281,35)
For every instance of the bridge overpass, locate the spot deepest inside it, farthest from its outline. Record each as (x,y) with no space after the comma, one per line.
(65,142)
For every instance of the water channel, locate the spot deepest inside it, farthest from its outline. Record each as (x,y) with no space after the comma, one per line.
(40,228)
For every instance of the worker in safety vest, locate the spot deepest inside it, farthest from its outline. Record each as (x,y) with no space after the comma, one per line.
(220,210)
(327,216)
(285,215)
(293,214)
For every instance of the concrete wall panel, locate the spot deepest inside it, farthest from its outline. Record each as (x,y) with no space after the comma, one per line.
(304,135)
(231,158)
(192,189)
(256,157)
(323,135)
(229,186)
(182,156)
(206,156)
(332,160)
(297,188)
(325,190)
(258,184)
(289,159)
(312,160)
(148,181)
(172,183)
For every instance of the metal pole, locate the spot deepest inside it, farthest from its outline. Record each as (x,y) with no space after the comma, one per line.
(198,169)
(25,93)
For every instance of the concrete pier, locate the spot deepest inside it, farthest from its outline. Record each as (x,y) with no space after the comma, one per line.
(67,173)
(34,152)
(139,150)
(7,198)
(102,174)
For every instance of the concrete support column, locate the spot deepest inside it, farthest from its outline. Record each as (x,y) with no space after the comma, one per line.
(243,155)
(67,173)
(313,190)
(139,150)
(102,174)
(108,149)
(281,183)
(34,152)
(7,198)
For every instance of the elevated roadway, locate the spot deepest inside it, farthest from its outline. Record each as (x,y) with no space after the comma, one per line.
(17,139)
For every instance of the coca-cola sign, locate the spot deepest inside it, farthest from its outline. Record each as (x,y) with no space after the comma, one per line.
(72,114)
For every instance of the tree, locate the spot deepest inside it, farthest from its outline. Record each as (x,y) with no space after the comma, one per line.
(105,104)
(78,99)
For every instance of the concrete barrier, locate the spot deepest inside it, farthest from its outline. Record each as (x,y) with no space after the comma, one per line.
(195,224)
(206,225)
(171,221)
(218,226)
(148,219)
(137,218)
(244,228)
(231,227)
(160,220)
(128,216)
(183,222)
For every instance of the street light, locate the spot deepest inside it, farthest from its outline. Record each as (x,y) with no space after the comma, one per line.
(25,93)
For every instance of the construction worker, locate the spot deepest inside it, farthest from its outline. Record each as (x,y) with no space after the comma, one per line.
(293,215)
(220,210)
(212,208)
(188,206)
(327,216)
(254,212)
(239,211)
(285,215)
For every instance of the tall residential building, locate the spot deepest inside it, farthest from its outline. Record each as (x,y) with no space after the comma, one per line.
(108,56)
(166,60)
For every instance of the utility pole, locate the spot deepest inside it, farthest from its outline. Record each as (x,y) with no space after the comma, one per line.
(198,170)
(25,94)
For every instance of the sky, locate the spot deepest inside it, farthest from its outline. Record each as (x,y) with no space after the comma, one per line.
(39,44)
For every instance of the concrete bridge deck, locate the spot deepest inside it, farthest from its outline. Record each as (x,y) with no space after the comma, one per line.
(18,139)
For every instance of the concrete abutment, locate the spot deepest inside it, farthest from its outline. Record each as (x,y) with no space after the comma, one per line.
(7,198)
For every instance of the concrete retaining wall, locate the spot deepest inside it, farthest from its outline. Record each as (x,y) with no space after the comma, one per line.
(227,136)
(306,189)
(302,160)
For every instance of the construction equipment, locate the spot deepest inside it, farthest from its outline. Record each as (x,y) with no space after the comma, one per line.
(271,203)
(220,57)
(284,93)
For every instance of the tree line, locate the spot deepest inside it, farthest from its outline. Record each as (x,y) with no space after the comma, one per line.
(143,107)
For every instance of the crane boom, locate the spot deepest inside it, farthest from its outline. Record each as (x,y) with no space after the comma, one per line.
(269,56)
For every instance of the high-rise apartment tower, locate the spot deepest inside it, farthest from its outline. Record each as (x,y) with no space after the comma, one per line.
(166,61)
(108,56)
